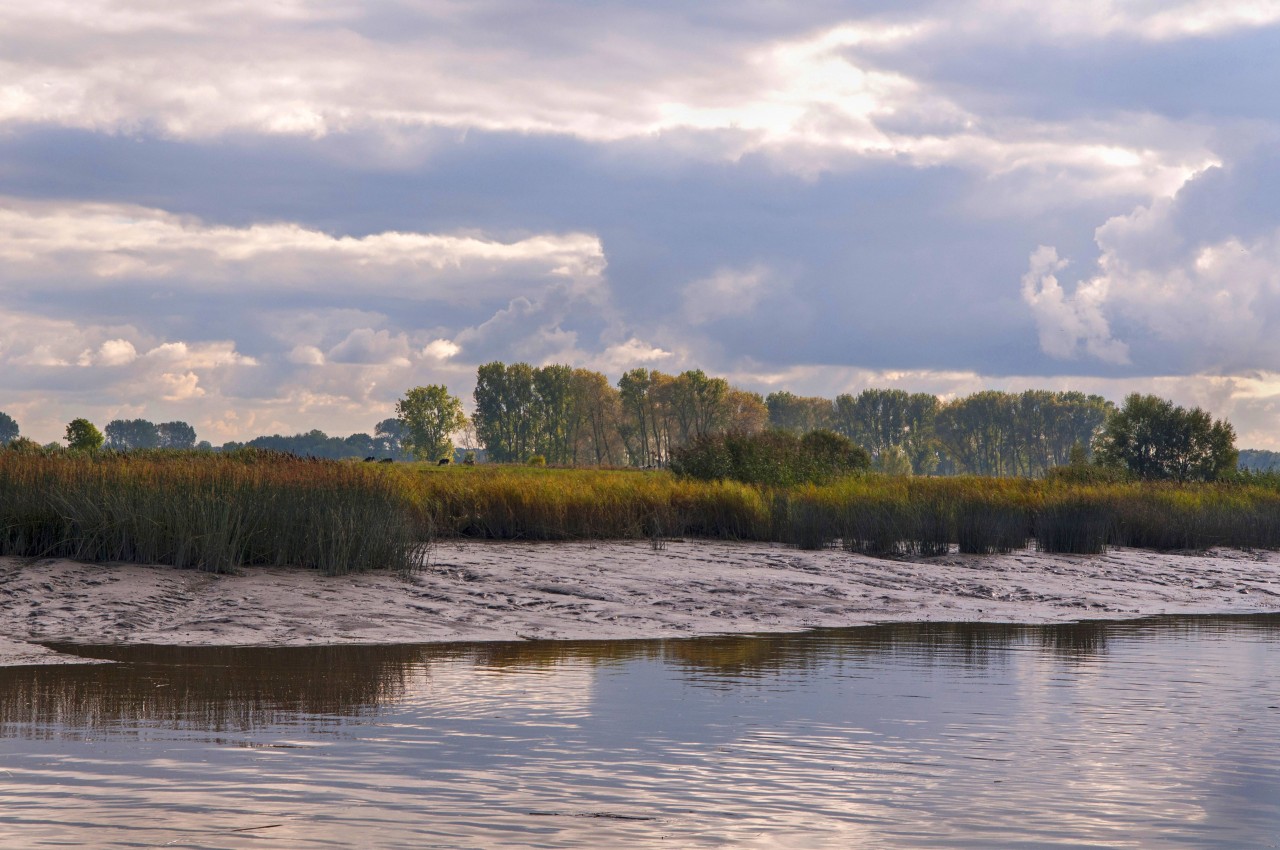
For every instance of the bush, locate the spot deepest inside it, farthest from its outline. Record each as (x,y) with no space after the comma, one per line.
(772,458)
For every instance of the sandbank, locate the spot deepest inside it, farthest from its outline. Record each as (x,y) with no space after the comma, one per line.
(487,591)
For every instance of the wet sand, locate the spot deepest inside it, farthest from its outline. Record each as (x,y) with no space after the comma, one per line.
(608,590)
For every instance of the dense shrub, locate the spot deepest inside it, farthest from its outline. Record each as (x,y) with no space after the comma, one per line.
(774,458)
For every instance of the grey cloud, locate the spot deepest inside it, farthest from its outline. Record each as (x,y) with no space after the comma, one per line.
(893,263)
(365,345)
(1190,283)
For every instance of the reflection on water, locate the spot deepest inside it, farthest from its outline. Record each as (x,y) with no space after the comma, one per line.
(1160,732)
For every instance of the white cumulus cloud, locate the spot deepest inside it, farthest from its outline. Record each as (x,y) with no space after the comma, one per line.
(1069,324)
(96,245)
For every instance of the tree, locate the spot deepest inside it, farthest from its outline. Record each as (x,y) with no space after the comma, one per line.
(83,435)
(553,413)
(430,415)
(128,434)
(745,411)
(8,429)
(634,389)
(388,437)
(505,416)
(176,435)
(314,443)
(594,429)
(1153,439)
(776,457)
(883,421)
(799,414)
(698,402)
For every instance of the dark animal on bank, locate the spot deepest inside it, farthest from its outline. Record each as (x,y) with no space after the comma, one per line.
(444,461)
(370,459)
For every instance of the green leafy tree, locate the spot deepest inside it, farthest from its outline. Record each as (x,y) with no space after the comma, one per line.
(1151,438)
(882,421)
(698,403)
(799,414)
(176,435)
(388,438)
(553,413)
(894,461)
(430,415)
(776,458)
(83,435)
(315,443)
(637,426)
(595,419)
(8,429)
(128,434)
(506,412)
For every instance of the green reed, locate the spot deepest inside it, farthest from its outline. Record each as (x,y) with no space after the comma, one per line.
(219,512)
(206,511)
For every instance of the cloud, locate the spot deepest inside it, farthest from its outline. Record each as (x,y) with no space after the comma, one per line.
(96,245)
(631,354)
(1068,323)
(1160,21)
(181,387)
(441,349)
(727,292)
(824,89)
(306,355)
(1205,299)
(113,352)
(278,216)
(207,355)
(367,346)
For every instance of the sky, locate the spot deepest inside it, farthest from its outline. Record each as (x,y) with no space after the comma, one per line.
(272,216)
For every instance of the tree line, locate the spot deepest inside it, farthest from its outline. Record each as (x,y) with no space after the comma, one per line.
(119,435)
(576,417)
(567,416)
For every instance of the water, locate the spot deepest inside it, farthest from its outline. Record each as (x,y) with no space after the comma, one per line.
(1155,733)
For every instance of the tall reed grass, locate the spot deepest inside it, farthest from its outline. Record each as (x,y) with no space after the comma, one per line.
(871,514)
(524,503)
(210,512)
(220,512)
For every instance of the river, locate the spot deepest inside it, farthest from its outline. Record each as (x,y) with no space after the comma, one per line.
(1152,733)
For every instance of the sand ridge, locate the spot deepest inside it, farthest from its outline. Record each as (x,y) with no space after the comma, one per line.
(605,590)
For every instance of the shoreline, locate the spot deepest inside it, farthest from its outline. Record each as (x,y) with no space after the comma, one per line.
(594,590)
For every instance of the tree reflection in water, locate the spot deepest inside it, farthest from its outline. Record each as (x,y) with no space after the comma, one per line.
(225,689)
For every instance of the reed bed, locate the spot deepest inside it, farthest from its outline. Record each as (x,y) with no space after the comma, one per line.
(205,511)
(525,503)
(221,512)
(871,514)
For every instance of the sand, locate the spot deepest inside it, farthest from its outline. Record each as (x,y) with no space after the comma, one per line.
(602,590)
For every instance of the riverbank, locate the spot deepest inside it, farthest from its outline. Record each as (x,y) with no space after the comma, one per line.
(474,591)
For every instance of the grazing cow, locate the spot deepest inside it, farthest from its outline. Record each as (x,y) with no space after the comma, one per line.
(370,459)
(444,461)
